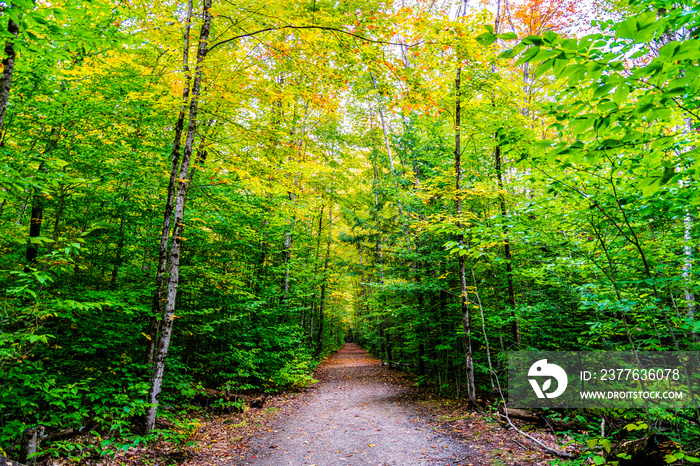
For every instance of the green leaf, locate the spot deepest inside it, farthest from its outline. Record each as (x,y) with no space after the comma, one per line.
(570,44)
(646,34)
(558,66)
(528,55)
(532,40)
(621,93)
(627,29)
(646,19)
(550,37)
(508,36)
(544,67)
(689,50)
(649,186)
(486,38)
(603,90)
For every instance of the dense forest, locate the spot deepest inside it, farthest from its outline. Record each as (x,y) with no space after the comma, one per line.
(201,195)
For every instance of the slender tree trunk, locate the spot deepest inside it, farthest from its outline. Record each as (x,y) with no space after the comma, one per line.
(483,328)
(7,73)
(362,270)
(506,245)
(322,307)
(515,329)
(289,236)
(466,318)
(688,257)
(118,257)
(288,239)
(37,217)
(57,218)
(287,252)
(383,338)
(178,216)
(420,330)
(156,305)
(385,131)
(311,322)
(315,276)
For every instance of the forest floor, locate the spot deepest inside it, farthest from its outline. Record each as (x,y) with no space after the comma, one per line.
(360,412)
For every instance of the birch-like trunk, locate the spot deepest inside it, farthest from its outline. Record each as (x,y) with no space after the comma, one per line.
(178,217)
(687,266)
(156,306)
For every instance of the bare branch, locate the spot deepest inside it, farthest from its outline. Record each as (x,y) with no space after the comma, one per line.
(322,28)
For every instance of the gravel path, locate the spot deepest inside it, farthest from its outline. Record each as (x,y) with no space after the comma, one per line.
(355,415)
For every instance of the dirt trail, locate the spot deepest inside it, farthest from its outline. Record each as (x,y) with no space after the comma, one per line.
(356,416)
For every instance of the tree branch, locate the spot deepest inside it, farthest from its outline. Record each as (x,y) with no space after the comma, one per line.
(322,28)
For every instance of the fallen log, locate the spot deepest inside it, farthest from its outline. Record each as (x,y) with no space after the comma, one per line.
(523,415)
(649,451)
(220,400)
(8,462)
(539,418)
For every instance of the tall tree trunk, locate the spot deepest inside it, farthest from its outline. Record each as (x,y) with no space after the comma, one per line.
(688,256)
(119,255)
(466,318)
(178,217)
(315,276)
(156,305)
(36,219)
(420,330)
(384,321)
(362,271)
(322,307)
(292,195)
(515,327)
(57,218)
(37,214)
(287,251)
(7,72)
(311,322)
(483,328)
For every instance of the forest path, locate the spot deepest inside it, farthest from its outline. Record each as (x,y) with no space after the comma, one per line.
(356,415)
